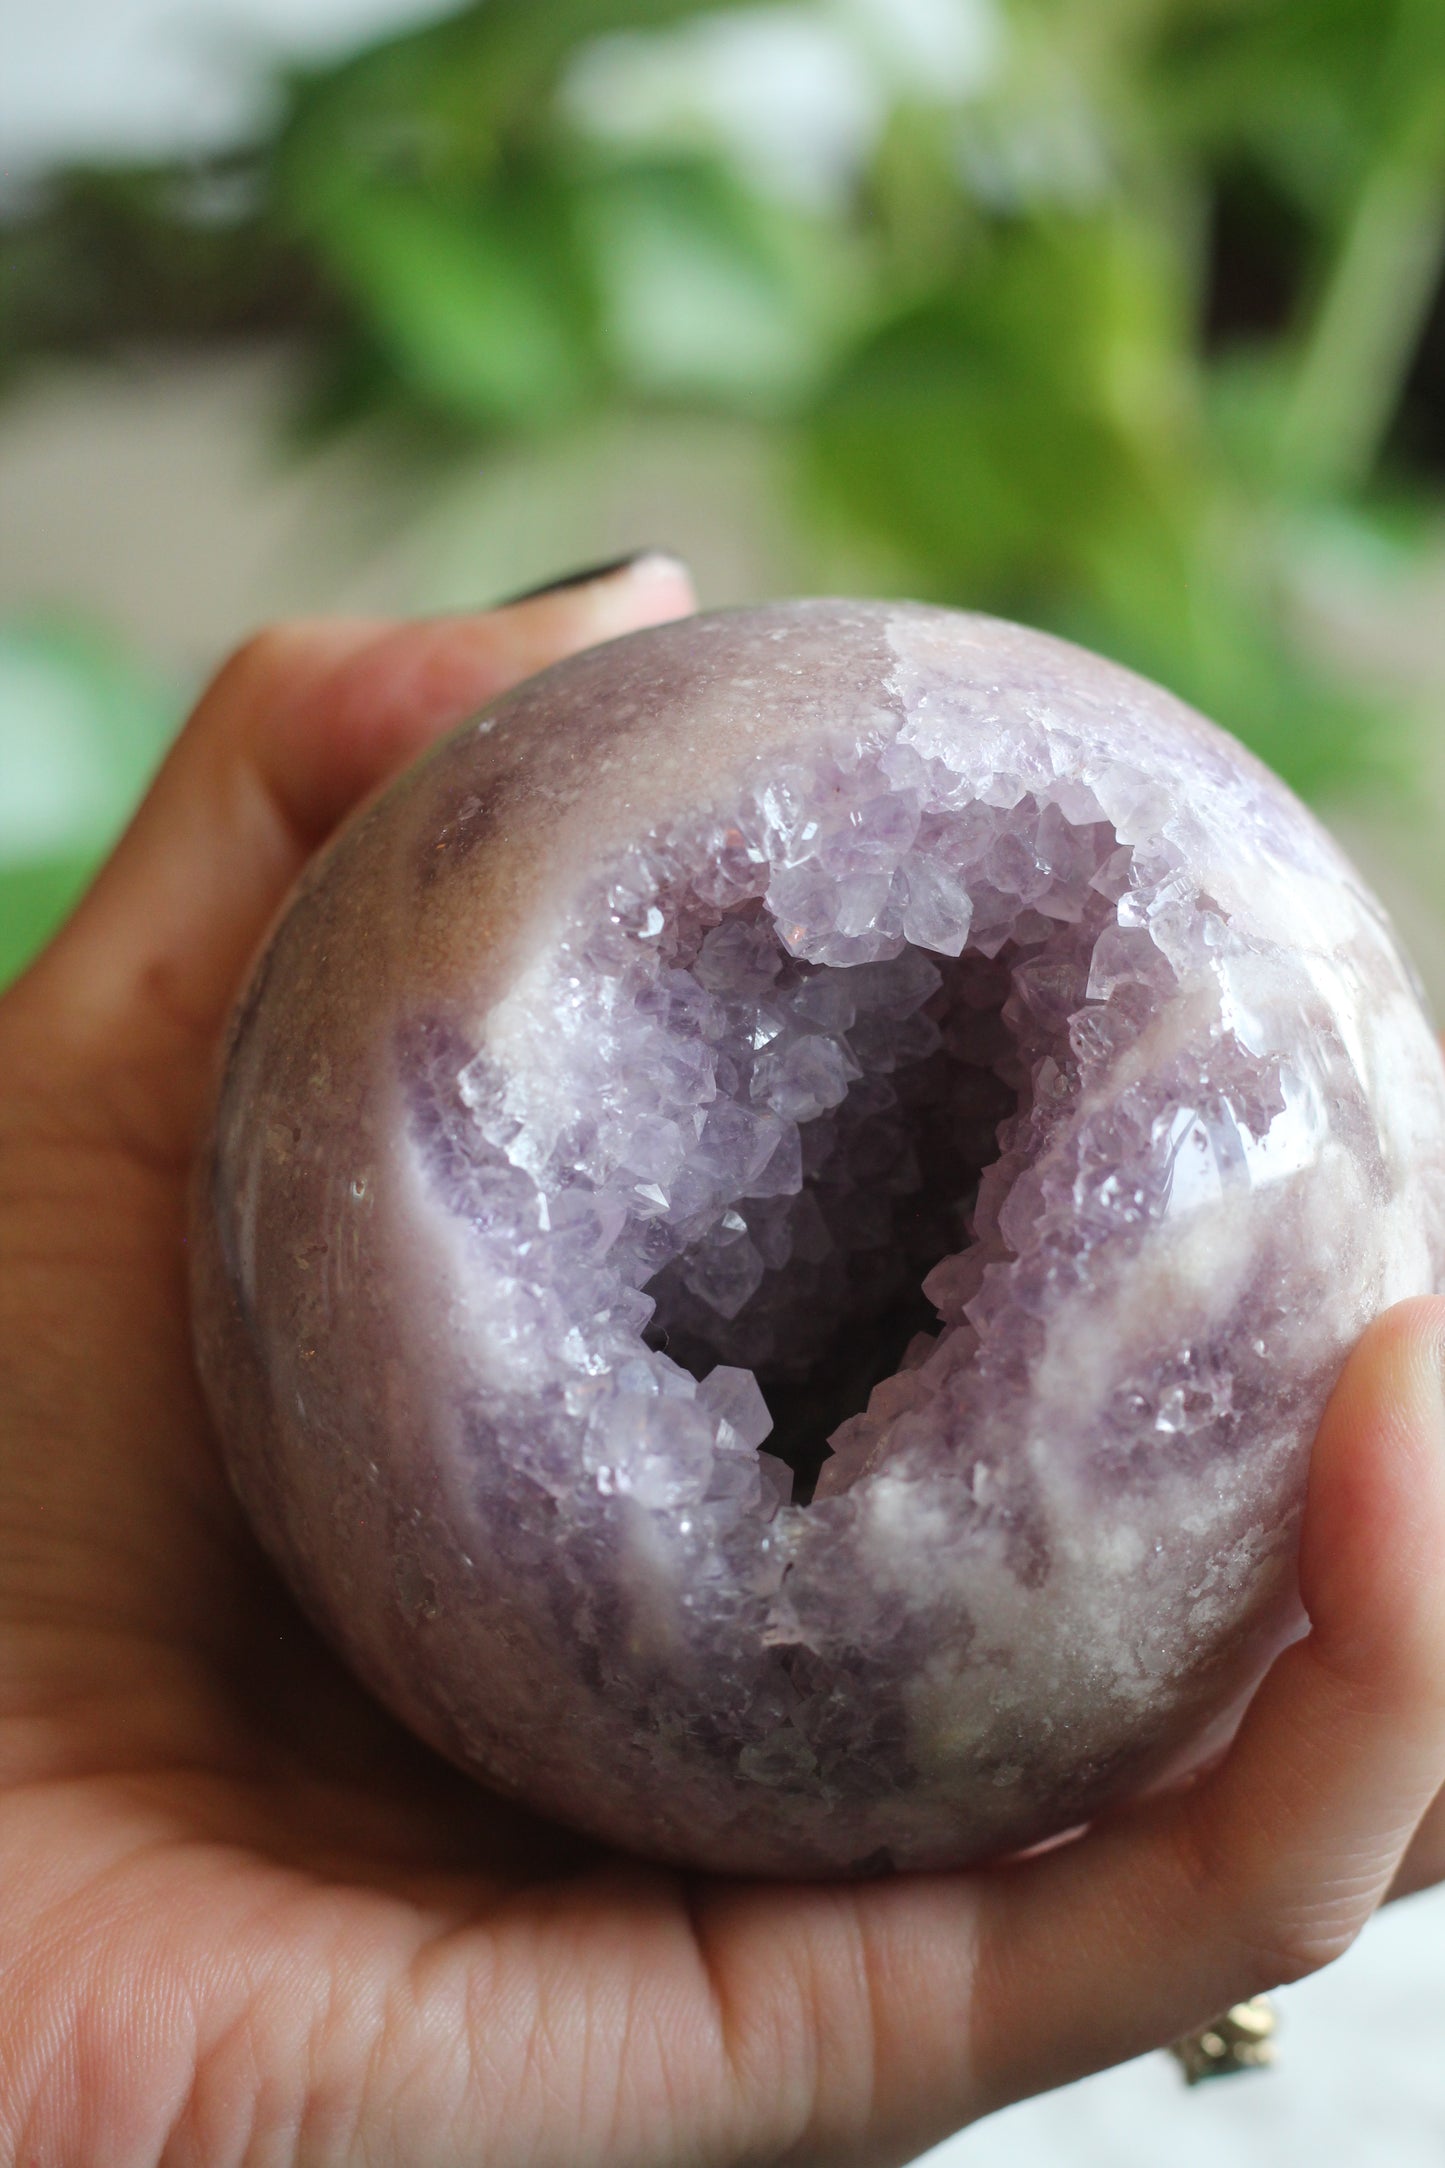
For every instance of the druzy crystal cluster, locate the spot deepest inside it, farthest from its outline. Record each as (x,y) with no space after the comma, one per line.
(782,1213)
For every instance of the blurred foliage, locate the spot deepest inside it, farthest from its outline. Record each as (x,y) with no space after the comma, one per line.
(1094,312)
(81,728)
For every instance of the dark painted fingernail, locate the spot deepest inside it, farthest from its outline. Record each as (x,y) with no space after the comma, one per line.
(592,573)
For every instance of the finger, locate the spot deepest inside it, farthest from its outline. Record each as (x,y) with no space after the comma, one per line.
(298,727)
(1424,1863)
(1271,1865)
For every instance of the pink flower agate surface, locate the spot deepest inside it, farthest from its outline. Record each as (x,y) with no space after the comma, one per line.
(782,1212)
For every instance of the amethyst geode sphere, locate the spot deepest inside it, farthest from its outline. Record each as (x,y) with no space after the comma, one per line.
(782,1213)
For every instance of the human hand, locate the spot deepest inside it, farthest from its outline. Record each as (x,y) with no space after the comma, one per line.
(244,1918)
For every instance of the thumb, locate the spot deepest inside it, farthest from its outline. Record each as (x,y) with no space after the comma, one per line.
(1269,1867)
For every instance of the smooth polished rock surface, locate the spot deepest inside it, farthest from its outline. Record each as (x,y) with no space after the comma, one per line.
(782,1213)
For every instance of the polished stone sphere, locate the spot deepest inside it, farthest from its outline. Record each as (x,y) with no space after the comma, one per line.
(781,1214)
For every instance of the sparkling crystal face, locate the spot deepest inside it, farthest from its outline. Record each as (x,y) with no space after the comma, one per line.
(782,1215)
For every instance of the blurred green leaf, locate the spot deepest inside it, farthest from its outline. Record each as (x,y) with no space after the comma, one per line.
(1032,442)
(34,901)
(1306,89)
(472,307)
(82,725)
(444,103)
(707,293)
(1099,331)
(1004,428)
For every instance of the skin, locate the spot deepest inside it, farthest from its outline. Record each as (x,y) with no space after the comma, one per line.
(245,1919)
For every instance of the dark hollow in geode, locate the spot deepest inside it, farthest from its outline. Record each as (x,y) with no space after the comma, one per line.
(782,1213)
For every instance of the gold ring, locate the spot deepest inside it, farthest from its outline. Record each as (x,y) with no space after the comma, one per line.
(1243,2039)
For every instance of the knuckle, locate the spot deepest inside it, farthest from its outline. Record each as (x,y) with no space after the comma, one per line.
(268,657)
(1295,1944)
(1281,1932)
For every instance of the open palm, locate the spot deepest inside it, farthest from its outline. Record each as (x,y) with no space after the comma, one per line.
(245,1919)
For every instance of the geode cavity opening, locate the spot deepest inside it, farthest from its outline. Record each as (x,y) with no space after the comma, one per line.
(838,1043)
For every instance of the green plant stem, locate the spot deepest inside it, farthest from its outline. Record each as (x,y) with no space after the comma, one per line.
(1368,322)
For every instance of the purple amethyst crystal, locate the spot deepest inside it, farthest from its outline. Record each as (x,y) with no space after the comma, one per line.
(782,1213)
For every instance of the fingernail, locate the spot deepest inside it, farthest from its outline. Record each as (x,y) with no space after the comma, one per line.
(591,574)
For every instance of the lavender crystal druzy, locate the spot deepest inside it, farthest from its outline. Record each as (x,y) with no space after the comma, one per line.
(782,1213)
